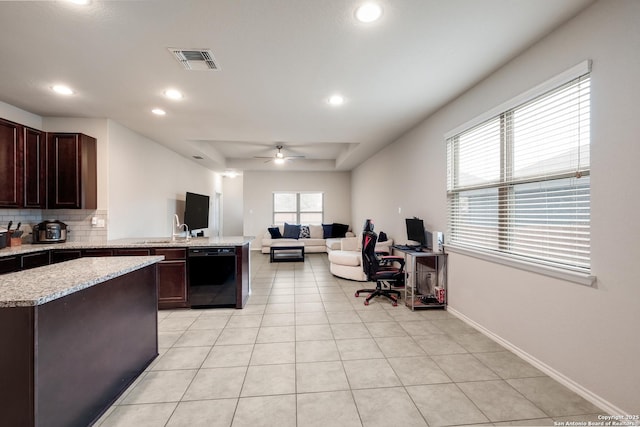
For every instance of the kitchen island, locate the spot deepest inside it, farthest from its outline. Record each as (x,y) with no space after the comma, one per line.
(74,338)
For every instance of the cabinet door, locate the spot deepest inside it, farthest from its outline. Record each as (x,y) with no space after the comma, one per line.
(171,253)
(62,255)
(36,259)
(10,165)
(34,169)
(72,171)
(9,264)
(172,284)
(97,252)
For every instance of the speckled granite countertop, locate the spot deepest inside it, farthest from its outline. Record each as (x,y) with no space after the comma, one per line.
(138,242)
(43,284)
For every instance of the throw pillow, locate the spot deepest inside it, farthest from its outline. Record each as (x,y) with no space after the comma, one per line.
(339,230)
(275,232)
(316,232)
(326,230)
(304,232)
(291,231)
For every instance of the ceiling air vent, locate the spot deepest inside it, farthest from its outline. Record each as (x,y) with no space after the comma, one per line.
(195,59)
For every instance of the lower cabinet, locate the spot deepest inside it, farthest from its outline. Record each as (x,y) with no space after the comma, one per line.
(61,255)
(172,278)
(14,263)
(35,259)
(9,264)
(172,274)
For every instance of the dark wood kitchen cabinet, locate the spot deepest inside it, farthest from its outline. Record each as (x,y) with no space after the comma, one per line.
(10,165)
(34,169)
(172,278)
(22,166)
(35,259)
(72,175)
(9,264)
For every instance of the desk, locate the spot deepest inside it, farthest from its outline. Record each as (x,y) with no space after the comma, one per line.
(425,278)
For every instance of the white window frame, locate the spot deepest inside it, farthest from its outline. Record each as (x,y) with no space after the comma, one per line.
(502,255)
(297,212)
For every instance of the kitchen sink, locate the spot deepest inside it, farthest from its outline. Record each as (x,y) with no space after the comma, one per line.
(146,242)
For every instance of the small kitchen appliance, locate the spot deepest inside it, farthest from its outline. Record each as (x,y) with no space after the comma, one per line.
(50,231)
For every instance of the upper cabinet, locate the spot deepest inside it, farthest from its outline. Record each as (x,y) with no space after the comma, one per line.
(34,171)
(41,170)
(10,165)
(72,177)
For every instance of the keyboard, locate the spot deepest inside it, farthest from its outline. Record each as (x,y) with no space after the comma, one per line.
(407,247)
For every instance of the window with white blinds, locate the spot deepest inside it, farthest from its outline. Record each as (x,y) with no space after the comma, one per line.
(518,183)
(298,208)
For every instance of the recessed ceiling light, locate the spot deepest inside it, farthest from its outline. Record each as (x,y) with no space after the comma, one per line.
(159,112)
(368,12)
(173,94)
(336,100)
(62,89)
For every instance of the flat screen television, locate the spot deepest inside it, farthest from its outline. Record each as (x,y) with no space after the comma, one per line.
(416,232)
(196,211)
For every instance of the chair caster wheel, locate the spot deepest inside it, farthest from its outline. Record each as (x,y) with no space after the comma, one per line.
(395,304)
(366,303)
(357,294)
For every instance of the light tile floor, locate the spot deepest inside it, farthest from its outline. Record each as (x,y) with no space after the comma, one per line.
(306,352)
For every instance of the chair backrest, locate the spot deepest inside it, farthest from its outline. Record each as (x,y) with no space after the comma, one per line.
(369,259)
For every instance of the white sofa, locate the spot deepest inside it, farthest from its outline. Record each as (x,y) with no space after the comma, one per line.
(347,261)
(315,243)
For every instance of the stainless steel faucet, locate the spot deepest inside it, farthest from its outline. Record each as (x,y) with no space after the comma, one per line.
(179,227)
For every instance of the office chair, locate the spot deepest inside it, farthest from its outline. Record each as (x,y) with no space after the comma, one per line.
(379,268)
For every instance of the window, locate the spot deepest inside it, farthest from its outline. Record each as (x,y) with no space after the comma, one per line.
(298,208)
(518,183)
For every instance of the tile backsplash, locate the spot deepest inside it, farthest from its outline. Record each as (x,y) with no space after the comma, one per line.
(79,227)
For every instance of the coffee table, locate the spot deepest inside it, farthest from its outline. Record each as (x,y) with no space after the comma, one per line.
(286,252)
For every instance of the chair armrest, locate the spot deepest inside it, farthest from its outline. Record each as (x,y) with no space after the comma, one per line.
(389,259)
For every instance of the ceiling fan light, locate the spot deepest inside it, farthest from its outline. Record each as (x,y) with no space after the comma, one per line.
(279,155)
(278,160)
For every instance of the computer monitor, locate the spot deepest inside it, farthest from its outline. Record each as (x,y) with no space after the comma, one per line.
(196,211)
(415,231)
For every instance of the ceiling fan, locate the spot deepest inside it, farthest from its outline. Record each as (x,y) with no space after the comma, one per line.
(279,158)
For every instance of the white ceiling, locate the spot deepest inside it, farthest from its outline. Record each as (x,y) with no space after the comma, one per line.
(279,62)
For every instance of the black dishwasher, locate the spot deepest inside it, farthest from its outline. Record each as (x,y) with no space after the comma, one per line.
(212,277)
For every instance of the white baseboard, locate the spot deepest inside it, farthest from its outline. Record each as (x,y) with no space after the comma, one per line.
(606,406)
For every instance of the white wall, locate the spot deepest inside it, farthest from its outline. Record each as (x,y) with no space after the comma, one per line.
(258,197)
(147,185)
(232,206)
(585,336)
(14,114)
